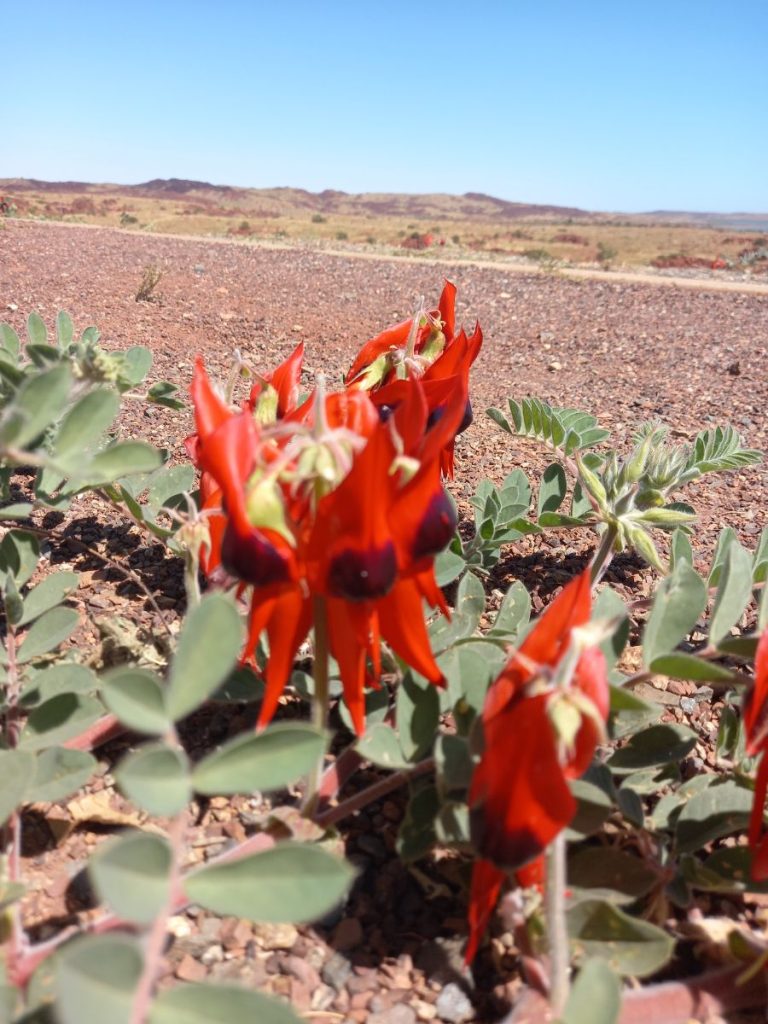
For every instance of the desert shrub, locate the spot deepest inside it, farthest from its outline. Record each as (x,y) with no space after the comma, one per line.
(126,219)
(341,236)
(318,218)
(605,254)
(150,279)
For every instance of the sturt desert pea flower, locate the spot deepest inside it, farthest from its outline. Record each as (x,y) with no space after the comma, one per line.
(542,720)
(330,505)
(427,348)
(756,729)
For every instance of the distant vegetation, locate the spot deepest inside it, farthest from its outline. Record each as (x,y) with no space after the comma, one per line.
(469,225)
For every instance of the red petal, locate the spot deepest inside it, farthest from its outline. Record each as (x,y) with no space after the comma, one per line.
(487,881)
(287,626)
(756,700)
(350,553)
(393,337)
(758,838)
(285,380)
(210,410)
(447,308)
(349,632)
(519,799)
(549,639)
(401,619)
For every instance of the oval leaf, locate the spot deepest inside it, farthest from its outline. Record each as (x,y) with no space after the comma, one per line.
(660,744)
(269,760)
(47,632)
(59,773)
(59,719)
(157,779)
(48,594)
(132,874)
(291,882)
(680,599)
(66,677)
(85,423)
(119,460)
(208,648)
(17,770)
(629,945)
(218,1004)
(136,697)
(95,979)
(595,997)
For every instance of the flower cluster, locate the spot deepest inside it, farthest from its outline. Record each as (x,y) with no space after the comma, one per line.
(756,729)
(332,510)
(542,720)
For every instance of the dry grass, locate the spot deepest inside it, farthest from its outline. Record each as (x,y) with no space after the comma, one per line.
(279,214)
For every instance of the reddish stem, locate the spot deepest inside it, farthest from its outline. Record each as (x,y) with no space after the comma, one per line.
(374,792)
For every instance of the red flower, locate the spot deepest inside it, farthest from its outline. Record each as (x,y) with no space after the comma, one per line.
(756,728)
(541,724)
(277,394)
(429,351)
(331,505)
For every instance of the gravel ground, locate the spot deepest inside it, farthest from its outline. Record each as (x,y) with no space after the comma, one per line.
(624,351)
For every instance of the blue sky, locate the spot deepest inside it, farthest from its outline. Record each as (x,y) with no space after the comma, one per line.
(601,105)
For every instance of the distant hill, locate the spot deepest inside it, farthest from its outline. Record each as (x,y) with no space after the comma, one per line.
(471,206)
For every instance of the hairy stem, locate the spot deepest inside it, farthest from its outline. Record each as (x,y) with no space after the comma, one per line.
(321,697)
(155,942)
(557,932)
(375,792)
(604,554)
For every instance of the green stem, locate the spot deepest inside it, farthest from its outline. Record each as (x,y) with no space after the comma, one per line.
(557,931)
(321,697)
(604,554)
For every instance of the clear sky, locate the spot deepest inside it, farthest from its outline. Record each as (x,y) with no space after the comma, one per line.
(614,105)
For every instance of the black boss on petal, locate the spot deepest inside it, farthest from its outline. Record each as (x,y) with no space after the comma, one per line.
(363,575)
(253,559)
(437,527)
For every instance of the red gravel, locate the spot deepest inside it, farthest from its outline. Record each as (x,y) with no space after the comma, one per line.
(623,351)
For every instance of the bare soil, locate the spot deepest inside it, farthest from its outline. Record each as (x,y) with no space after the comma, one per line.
(624,350)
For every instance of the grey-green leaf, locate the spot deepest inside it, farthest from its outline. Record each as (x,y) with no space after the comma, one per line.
(17,770)
(84,425)
(40,400)
(611,874)
(680,599)
(595,996)
(156,778)
(136,697)
(119,460)
(59,719)
(630,946)
(95,979)
(49,593)
(733,592)
(131,874)
(721,810)
(659,744)
(64,329)
(290,882)
(380,745)
(59,773)
(218,1004)
(266,761)
(66,677)
(208,648)
(36,330)
(47,632)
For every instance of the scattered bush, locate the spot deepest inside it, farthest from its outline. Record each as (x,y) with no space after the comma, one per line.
(318,218)
(149,282)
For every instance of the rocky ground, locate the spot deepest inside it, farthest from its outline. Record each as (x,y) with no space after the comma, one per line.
(624,351)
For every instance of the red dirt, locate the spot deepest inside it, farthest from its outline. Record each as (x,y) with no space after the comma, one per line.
(624,351)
